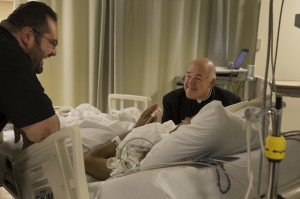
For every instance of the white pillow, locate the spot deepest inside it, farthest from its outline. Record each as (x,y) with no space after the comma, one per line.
(213,132)
(256,102)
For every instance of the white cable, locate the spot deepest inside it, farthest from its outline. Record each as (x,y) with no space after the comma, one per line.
(249,162)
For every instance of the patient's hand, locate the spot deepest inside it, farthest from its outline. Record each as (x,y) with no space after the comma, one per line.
(146,117)
(186,121)
(18,132)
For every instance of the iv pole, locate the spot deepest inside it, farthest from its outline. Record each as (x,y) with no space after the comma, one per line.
(274,144)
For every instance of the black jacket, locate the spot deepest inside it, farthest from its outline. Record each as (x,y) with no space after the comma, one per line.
(177,106)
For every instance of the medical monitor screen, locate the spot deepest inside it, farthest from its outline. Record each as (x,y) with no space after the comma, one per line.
(240,59)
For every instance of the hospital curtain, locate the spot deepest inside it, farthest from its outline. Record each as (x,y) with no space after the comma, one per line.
(159,38)
(139,46)
(101,51)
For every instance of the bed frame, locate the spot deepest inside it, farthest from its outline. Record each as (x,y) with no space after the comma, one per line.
(117,102)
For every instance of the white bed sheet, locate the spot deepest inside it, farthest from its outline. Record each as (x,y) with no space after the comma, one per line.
(181,182)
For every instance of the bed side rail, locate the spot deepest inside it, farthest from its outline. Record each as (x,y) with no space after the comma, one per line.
(117,102)
(47,170)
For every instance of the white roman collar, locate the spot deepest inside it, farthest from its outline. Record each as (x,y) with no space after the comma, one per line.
(200,100)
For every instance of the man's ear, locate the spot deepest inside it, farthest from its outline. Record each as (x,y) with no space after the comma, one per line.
(27,36)
(213,82)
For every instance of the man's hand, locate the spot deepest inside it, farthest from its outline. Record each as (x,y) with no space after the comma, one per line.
(146,116)
(18,133)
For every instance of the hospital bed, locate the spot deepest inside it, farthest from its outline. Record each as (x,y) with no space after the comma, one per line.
(54,168)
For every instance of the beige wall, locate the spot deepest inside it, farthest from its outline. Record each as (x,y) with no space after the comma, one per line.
(288,61)
(5,8)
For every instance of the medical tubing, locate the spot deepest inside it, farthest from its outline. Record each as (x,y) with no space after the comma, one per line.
(154,114)
(249,165)
(249,114)
(257,116)
(149,119)
(121,150)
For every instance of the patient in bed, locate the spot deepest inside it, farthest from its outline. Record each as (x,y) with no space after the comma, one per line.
(95,160)
(213,132)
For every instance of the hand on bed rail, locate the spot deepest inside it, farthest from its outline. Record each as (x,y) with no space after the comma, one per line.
(18,132)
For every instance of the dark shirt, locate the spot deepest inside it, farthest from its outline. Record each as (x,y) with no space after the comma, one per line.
(177,106)
(22,101)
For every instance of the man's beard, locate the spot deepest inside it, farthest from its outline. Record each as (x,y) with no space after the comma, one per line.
(36,55)
(38,69)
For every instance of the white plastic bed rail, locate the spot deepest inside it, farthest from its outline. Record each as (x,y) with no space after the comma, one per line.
(48,170)
(117,102)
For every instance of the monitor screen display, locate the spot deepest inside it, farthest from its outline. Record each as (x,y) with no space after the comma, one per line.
(240,59)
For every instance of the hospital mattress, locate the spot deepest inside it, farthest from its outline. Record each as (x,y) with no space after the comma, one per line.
(181,181)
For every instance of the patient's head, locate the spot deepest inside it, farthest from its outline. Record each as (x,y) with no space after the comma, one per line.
(199,79)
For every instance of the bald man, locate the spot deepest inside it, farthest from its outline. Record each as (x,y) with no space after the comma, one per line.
(199,89)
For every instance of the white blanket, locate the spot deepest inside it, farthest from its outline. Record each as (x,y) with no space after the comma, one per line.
(96,127)
(213,132)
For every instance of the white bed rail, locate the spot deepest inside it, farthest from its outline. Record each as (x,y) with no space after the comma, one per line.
(117,102)
(48,170)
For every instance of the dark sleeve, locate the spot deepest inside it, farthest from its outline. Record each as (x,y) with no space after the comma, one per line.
(167,109)
(24,101)
(3,121)
(172,106)
(236,99)
(226,97)
(230,99)
(233,98)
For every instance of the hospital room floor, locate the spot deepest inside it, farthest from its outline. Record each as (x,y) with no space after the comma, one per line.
(4,194)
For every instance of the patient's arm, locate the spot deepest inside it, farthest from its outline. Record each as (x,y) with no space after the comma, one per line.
(95,160)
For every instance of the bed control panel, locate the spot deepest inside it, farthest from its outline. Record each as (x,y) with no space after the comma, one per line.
(43,193)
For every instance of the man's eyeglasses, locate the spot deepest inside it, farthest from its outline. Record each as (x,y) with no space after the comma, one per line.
(52,42)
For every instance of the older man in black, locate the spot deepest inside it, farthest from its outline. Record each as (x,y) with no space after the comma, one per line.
(199,89)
